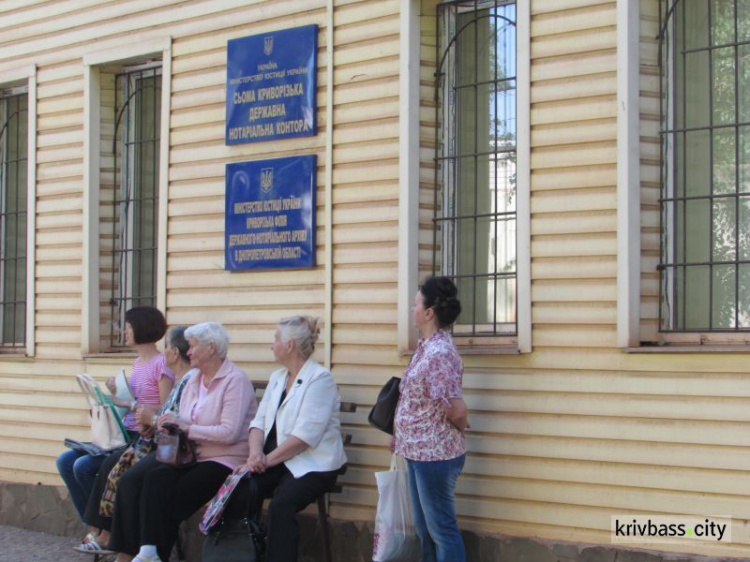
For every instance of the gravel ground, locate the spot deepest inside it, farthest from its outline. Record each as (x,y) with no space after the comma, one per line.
(20,545)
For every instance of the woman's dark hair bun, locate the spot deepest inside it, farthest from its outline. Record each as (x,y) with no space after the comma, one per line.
(441,294)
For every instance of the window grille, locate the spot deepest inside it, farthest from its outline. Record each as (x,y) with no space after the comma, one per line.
(704,56)
(134,220)
(475,165)
(13,226)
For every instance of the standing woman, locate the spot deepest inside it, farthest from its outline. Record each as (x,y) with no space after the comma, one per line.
(430,422)
(150,383)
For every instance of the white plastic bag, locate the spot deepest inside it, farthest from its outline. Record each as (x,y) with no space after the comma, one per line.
(395,539)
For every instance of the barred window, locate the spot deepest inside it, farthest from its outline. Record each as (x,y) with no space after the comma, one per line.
(13,226)
(475,201)
(705,166)
(130,199)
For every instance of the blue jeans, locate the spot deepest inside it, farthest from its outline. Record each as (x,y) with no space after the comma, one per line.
(78,471)
(432,485)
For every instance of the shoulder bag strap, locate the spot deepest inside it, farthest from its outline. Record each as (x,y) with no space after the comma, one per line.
(104,400)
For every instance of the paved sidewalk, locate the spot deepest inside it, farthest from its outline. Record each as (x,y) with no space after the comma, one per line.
(20,545)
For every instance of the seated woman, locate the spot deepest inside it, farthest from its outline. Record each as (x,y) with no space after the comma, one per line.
(150,382)
(296,449)
(177,360)
(216,407)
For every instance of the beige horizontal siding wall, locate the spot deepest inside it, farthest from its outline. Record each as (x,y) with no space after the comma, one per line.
(365,237)
(365,208)
(563,437)
(40,392)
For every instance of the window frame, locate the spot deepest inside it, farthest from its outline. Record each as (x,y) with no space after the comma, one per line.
(628,175)
(412,13)
(630,255)
(684,335)
(26,77)
(156,48)
(125,254)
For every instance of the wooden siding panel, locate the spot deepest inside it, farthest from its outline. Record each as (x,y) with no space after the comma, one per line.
(562,436)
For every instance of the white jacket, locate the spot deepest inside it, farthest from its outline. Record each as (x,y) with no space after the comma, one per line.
(310,412)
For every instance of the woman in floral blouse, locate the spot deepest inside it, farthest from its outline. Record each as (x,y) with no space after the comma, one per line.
(430,422)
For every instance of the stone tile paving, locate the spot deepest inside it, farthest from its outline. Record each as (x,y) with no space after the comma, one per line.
(20,545)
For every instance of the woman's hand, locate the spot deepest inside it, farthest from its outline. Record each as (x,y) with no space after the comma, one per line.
(174,420)
(147,431)
(256,462)
(111,385)
(457,413)
(144,415)
(120,402)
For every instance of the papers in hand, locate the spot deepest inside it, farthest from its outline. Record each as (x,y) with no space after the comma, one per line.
(123,391)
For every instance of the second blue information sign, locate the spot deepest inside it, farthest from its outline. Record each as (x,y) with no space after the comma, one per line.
(270,213)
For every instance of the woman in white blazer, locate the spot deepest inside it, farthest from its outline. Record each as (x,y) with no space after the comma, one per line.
(296,449)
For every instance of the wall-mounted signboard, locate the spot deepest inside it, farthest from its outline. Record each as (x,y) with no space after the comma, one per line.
(271,85)
(270,213)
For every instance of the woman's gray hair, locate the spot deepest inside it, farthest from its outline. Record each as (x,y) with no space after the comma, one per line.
(176,338)
(302,330)
(210,332)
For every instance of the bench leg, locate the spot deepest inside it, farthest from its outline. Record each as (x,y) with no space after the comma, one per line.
(324,526)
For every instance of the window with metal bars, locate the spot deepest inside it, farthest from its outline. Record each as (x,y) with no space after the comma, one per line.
(13,225)
(130,227)
(704,55)
(475,165)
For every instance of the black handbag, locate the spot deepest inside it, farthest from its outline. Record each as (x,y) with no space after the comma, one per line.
(384,410)
(235,540)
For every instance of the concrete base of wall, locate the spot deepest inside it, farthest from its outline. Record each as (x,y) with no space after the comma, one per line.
(49,509)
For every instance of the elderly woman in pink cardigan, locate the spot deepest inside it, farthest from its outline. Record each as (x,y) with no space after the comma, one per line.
(217,406)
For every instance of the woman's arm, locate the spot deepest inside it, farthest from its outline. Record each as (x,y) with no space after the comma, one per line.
(165,387)
(145,414)
(288,449)
(457,412)
(256,461)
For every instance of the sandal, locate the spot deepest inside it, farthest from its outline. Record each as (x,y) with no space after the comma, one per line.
(92,547)
(91,536)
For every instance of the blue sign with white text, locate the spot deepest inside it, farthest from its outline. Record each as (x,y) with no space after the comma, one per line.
(271,85)
(270,213)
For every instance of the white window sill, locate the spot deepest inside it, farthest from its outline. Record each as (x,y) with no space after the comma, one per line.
(110,355)
(738,348)
(15,354)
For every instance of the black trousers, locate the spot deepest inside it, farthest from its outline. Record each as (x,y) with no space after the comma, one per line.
(91,515)
(289,496)
(153,498)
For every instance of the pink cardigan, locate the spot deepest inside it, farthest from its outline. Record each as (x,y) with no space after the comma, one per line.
(221,424)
